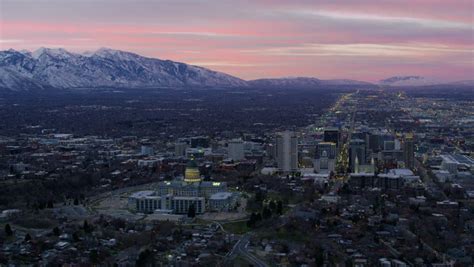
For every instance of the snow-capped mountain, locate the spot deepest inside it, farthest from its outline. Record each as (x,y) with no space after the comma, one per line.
(464,83)
(408,81)
(346,82)
(305,82)
(58,68)
(286,82)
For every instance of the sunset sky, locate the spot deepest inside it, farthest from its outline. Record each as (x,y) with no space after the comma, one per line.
(365,40)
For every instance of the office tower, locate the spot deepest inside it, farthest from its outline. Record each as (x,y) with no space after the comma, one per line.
(409,152)
(235,149)
(356,151)
(200,141)
(398,145)
(375,144)
(325,160)
(332,135)
(381,141)
(287,151)
(180,148)
(147,150)
(389,145)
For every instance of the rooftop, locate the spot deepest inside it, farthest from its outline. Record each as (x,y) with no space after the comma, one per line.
(141,194)
(401,172)
(457,159)
(221,196)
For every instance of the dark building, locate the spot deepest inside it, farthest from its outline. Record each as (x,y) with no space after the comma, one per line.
(332,135)
(357,150)
(409,152)
(200,141)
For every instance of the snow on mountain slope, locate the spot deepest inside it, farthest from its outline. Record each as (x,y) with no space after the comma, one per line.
(408,81)
(286,82)
(305,82)
(104,68)
(59,68)
(345,82)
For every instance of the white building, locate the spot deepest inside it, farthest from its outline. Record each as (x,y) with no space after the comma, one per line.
(147,151)
(453,162)
(325,160)
(235,149)
(197,152)
(149,202)
(175,197)
(148,163)
(287,151)
(180,148)
(222,201)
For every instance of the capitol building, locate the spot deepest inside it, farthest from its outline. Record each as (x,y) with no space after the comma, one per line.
(177,196)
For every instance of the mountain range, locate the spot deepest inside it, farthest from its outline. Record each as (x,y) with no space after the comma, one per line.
(57,68)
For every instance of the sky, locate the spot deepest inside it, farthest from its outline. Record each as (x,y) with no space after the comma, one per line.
(328,39)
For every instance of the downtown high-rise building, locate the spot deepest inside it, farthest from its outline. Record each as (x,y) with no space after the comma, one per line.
(409,152)
(332,135)
(357,154)
(235,149)
(287,151)
(325,158)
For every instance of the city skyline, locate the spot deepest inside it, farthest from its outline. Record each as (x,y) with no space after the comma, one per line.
(256,39)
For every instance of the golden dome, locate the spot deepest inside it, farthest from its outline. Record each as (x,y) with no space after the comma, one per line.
(191,174)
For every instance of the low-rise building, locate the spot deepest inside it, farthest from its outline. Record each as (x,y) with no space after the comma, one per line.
(222,201)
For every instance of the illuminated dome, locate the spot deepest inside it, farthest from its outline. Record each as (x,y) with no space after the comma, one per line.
(192,175)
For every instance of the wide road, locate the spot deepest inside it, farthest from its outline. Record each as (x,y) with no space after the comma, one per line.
(241,248)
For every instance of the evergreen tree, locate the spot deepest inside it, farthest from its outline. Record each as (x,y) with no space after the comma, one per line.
(259,196)
(75,237)
(254,218)
(272,205)
(319,257)
(192,211)
(87,228)
(266,213)
(251,221)
(56,231)
(27,237)
(94,256)
(279,209)
(8,230)
(145,258)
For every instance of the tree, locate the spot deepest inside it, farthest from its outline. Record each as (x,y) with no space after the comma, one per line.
(50,204)
(75,237)
(279,209)
(191,211)
(319,257)
(254,218)
(259,196)
(94,256)
(8,230)
(272,205)
(251,221)
(144,258)
(56,231)
(87,228)
(346,189)
(76,201)
(266,213)
(27,237)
